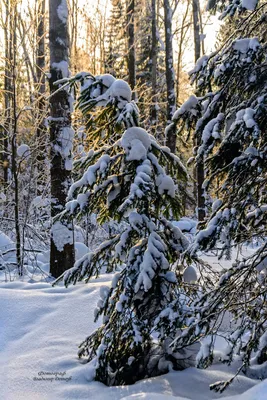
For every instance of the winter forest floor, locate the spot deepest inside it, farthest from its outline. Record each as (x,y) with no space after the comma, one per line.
(41,328)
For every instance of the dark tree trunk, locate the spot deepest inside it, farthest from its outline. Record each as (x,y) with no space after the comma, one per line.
(62,243)
(131,47)
(199,173)
(171,101)
(196,25)
(14,169)
(154,51)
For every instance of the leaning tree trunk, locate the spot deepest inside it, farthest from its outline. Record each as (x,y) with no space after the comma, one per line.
(171,101)
(61,136)
(200,176)
(131,47)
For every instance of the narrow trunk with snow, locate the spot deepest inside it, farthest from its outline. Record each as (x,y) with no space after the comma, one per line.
(61,137)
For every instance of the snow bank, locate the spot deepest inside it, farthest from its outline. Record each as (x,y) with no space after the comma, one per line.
(41,328)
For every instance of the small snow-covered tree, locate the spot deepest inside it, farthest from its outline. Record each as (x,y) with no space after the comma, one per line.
(229,118)
(126,180)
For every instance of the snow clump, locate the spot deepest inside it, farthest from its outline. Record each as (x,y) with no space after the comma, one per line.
(23,150)
(62,11)
(136,143)
(61,235)
(249,4)
(244,45)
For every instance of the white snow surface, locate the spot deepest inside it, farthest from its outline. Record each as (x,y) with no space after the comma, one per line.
(42,326)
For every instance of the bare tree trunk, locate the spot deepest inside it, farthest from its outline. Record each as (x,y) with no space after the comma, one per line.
(13,59)
(196,25)
(61,135)
(131,47)
(74,33)
(171,100)
(201,29)
(184,28)
(7,95)
(200,166)
(154,51)
(41,131)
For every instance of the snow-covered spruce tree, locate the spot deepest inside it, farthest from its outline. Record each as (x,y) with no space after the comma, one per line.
(230,117)
(126,181)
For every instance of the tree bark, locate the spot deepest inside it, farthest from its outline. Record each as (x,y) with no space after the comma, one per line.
(184,28)
(62,243)
(171,100)
(7,95)
(131,47)
(200,175)
(14,118)
(41,131)
(154,51)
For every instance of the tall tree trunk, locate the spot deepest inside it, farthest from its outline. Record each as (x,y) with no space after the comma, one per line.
(196,25)
(14,169)
(74,35)
(184,29)
(200,176)
(7,95)
(131,47)
(154,54)
(171,100)
(41,131)
(61,136)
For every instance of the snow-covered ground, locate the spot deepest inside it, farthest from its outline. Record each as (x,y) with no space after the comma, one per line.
(40,329)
